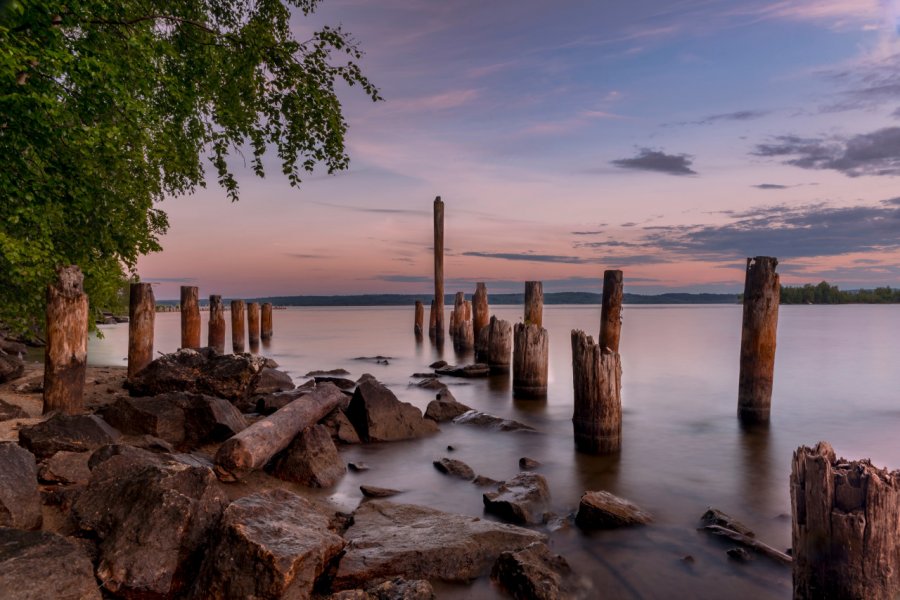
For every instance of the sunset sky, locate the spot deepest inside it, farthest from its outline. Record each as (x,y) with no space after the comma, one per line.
(668,138)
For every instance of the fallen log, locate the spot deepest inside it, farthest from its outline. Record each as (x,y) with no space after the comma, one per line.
(749,542)
(253,447)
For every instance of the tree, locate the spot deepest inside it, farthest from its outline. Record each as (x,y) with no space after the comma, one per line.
(106,108)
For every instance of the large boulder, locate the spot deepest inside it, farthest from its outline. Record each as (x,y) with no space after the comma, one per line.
(340,428)
(11,411)
(523,499)
(272,544)
(535,573)
(312,459)
(20,501)
(388,540)
(229,376)
(11,367)
(70,433)
(379,416)
(602,510)
(152,516)
(36,565)
(445,407)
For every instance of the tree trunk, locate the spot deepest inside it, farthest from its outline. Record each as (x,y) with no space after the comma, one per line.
(846,527)
(253,325)
(762,293)
(534,303)
(530,361)
(439,268)
(266,315)
(237,326)
(141,316)
(65,356)
(190,317)
(499,345)
(216,337)
(420,319)
(597,376)
(611,311)
(480,316)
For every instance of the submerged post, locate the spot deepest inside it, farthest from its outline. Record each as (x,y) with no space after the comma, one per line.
(531,346)
(480,319)
(597,378)
(237,326)
(141,316)
(266,317)
(845,529)
(216,337)
(65,357)
(253,324)
(499,344)
(762,293)
(190,317)
(611,310)
(419,319)
(439,268)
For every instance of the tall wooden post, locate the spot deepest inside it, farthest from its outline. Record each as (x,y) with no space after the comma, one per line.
(597,378)
(531,345)
(253,324)
(190,317)
(762,293)
(480,319)
(845,530)
(432,321)
(216,337)
(141,317)
(266,317)
(499,345)
(420,319)
(237,326)
(439,268)
(611,310)
(65,357)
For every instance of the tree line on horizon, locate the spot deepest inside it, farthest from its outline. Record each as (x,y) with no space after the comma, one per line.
(826,293)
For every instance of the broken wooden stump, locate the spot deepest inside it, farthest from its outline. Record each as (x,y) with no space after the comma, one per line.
(266,318)
(438,269)
(531,345)
(216,337)
(480,319)
(597,378)
(190,317)
(253,324)
(762,293)
(611,310)
(65,357)
(499,345)
(461,330)
(419,319)
(141,317)
(237,326)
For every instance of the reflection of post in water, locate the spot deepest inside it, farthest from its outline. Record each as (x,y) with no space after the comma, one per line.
(597,471)
(757,469)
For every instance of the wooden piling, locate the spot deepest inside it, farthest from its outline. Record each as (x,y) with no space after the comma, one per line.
(845,531)
(439,268)
(480,319)
(461,331)
(499,345)
(531,345)
(190,317)
(432,320)
(216,337)
(141,317)
(266,318)
(597,377)
(65,356)
(534,303)
(762,293)
(253,324)
(419,320)
(611,310)
(237,326)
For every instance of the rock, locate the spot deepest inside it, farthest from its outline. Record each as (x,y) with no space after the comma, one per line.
(66,468)
(738,554)
(438,364)
(311,460)
(332,372)
(340,428)
(467,371)
(11,411)
(602,510)
(456,468)
(424,375)
(269,403)
(388,540)
(376,359)
(153,517)
(431,384)
(341,382)
(713,516)
(534,573)
(36,565)
(482,481)
(12,346)
(378,416)
(474,417)
(358,466)
(71,433)
(401,589)
(272,381)
(365,376)
(371,491)
(528,464)
(20,501)
(522,499)
(11,367)
(229,376)
(350,595)
(445,407)
(272,544)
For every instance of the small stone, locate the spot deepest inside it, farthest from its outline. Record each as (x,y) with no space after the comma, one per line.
(371,491)
(358,466)
(439,364)
(445,407)
(401,589)
(527,464)
(522,499)
(482,481)
(688,559)
(602,510)
(455,468)
(738,554)
(450,448)
(331,372)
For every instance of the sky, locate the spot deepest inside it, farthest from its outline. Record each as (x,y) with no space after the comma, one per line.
(670,139)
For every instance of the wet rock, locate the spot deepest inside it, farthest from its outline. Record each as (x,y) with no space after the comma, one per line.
(70,433)
(350,595)
(36,565)
(273,544)
(331,372)
(11,367)
(272,381)
(340,382)
(376,359)
(148,442)
(438,364)
(269,403)
(152,516)
(229,376)
(371,491)
(738,555)
(445,407)
(388,540)
(424,376)
(602,510)
(482,481)
(522,499)
(431,384)
(455,468)
(466,371)
(358,466)
(528,464)
(311,460)
(340,428)
(379,416)
(534,573)
(20,501)
(402,589)
(66,468)
(11,411)
(474,417)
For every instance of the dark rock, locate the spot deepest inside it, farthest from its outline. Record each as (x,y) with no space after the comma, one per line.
(522,499)
(378,416)
(340,382)
(365,376)
(388,540)
(474,417)
(438,364)
(36,565)
(148,442)
(738,554)
(602,510)
(11,367)
(467,371)
(377,359)
(688,559)
(11,411)
(350,595)
(12,346)
(66,468)
(269,403)
(424,376)
(273,380)
(273,544)
(153,517)
(331,372)
(311,460)
(456,468)
(450,448)
(445,407)
(358,466)
(35,385)
(371,491)
(71,433)
(431,384)
(340,428)
(229,376)
(482,481)
(20,501)
(528,464)
(534,573)
(139,457)
(401,589)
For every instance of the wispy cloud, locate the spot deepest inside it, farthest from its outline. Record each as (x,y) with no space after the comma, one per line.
(531,257)
(434,102)
(370,209)
(740,115)
(875,153)
(771,186)
(171,280)
(307,256)
(659,162)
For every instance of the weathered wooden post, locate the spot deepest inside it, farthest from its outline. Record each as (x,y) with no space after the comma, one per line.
(253,325)
(141,316)
(216,336)
(762,293)
(461,324)
(597,378)
(845,531)
(237,326)
(266,317)
(420,319)
(190,317)
(65,357)
(480,319)
(611,310)
(531,345)
(438,268)
(499,345)
(432,321)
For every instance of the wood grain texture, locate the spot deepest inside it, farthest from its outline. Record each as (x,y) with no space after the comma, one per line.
(265,312)
(190,317)
(216,335)
(611,310)
(65,356)
(141,319)
(762,293)
(238,335)
(597,380)
(531,344)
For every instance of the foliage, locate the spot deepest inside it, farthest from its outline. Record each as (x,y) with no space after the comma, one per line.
(107,107)
(825,293)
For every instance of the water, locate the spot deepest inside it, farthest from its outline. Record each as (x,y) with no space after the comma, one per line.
(836,379)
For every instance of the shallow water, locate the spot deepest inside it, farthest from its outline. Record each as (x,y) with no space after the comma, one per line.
(837,377)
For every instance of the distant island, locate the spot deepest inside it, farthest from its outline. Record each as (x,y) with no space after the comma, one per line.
(826,293)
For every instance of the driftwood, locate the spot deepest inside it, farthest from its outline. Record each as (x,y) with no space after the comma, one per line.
(266,318)
(597,378)
(237,326)
(190,317)
(438,309)
(141,316)
(611,311)
(750,542)
(762,293)
(65,356)
(253,324)
(216,337)
(419,319)
(253,447)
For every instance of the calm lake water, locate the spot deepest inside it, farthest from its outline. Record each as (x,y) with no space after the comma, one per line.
(837,378)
